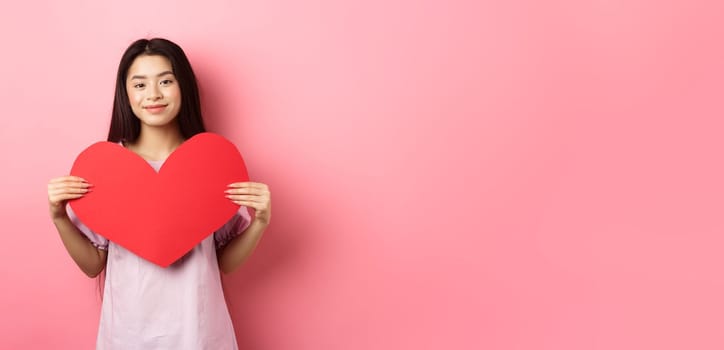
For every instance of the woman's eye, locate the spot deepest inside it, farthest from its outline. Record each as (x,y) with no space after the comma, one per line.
(138,86)
(166,82)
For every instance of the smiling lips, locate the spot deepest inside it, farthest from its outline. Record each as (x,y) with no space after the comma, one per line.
(153,109)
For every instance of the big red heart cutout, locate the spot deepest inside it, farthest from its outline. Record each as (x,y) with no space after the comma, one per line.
(159,216)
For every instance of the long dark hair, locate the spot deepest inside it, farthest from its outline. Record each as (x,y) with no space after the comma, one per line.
(125,126)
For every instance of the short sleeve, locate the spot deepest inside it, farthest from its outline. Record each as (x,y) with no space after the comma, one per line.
(97,240)
(233,228)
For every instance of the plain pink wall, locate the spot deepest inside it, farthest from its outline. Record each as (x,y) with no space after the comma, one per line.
(446,175)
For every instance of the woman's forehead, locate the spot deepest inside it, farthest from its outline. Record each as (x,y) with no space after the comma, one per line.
(149,65)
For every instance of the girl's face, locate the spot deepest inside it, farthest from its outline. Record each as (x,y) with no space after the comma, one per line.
(153,91)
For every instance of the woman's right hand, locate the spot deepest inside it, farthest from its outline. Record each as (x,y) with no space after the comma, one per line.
(61,190)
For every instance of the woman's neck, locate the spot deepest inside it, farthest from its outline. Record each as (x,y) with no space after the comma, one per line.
(156,143)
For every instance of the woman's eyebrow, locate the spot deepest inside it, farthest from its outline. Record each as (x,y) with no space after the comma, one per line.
(158,76)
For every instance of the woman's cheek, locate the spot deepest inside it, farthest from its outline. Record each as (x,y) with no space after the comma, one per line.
(135,98)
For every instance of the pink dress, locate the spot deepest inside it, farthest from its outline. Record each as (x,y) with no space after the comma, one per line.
(179,307)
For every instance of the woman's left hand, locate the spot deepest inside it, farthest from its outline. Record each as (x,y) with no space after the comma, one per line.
(252,194)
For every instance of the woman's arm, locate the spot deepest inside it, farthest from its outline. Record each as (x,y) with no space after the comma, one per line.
(89,258)
(254,195)
(232,255)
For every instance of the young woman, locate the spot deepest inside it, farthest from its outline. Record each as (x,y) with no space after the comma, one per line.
(155,109)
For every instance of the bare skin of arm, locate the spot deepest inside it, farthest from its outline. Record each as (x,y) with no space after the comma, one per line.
(89,259)
(253,195)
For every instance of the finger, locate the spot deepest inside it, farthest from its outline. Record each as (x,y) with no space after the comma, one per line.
(69,185)
(69,196)
(77,190)
(68,178)
(66,189)
(247,190)
(236,197)
(64,197)
(65,178)
(260,190)
(257,205)
(248,204)
(249,184)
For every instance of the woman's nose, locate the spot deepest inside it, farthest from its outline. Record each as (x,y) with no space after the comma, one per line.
(154,93)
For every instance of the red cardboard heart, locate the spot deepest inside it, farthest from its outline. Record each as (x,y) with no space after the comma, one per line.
(159,216)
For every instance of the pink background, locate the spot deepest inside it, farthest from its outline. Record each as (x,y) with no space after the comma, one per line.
(446,175)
